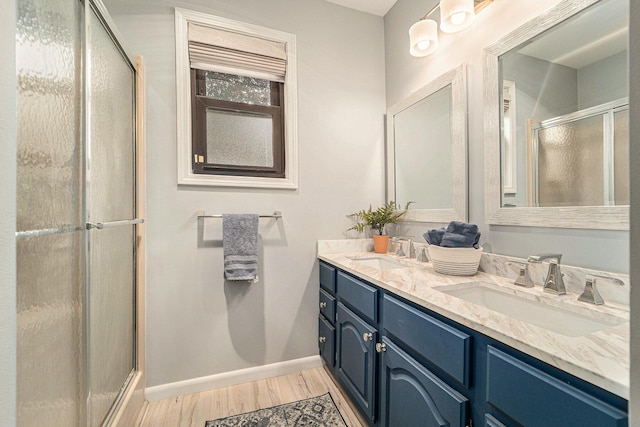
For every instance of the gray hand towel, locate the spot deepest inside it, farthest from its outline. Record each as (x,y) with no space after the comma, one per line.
(240,241)
(460,235)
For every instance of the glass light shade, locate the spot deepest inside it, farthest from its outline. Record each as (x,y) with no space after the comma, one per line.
(456,15)
(423,37)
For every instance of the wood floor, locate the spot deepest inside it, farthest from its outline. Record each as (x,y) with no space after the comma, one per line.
(193,410)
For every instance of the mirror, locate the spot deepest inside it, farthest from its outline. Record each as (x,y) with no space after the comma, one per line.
(427,150)
(556,119)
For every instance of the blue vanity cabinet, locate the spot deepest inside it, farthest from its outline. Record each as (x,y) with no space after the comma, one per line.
(405,365)
(412,395)
(326,341)
(356,359)
(326,317)
(534,398)
(446,348)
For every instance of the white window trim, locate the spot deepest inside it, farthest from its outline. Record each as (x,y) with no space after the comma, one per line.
(183,99)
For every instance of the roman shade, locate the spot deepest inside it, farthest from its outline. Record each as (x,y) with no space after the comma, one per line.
(215,49)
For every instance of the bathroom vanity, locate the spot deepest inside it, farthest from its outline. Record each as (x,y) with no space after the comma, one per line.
(410,348)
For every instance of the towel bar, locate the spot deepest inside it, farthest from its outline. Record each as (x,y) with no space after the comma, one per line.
(276,215)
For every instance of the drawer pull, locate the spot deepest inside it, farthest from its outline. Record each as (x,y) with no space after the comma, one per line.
(367,336)
(322,340)
(381,347)
(323,304)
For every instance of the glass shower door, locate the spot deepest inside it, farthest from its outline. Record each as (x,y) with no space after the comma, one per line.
(49,240)
(111,241)
(76,239)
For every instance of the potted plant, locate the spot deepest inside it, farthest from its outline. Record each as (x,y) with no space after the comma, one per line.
(377,220)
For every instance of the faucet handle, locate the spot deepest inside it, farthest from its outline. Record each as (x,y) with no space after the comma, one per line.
(422,255)
(590,293)
(523,279)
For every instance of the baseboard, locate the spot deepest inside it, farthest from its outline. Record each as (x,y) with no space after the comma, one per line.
(225,379)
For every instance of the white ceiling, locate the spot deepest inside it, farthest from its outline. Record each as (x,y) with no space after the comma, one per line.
(376,7)
(594,35)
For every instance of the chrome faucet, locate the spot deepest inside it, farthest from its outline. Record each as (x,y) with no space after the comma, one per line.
(553,283)
(591,294)
(400,250)
(523,279)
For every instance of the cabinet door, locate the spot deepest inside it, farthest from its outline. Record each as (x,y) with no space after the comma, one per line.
(326,342)
(356,356)
(536,399)
(411,395)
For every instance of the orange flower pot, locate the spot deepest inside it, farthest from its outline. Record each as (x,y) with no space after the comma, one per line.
(380,244)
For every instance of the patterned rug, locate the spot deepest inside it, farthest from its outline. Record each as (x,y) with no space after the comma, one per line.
(318,411)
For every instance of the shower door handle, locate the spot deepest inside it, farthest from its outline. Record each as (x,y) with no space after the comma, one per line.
(111,224)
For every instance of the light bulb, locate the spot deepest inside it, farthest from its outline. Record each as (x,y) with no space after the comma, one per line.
(458,18)
(423,44)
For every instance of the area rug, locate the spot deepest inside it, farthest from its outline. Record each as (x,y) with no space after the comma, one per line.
(318,411)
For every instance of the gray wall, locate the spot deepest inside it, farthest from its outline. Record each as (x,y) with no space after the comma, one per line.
(8,215)
(197,325)
(603,81)
(404,74)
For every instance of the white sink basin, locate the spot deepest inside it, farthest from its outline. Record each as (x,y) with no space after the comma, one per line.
(572,321)
(379,262)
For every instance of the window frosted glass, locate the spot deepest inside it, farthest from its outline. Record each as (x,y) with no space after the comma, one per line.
(229,87)
(239,139)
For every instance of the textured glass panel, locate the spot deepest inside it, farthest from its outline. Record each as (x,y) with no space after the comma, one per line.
(49,100)
(50,374)
(423,153)
(112,130)
(229,87)
(111,197)
(240,139)
(49,330)
(111,327)
(621,157)
(571,163)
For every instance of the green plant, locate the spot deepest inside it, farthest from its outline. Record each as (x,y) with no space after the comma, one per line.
(376,220)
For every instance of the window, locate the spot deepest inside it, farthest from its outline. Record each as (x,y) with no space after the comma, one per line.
(237,125)
(236,103)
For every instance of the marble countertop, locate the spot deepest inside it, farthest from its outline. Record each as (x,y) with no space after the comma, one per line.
(601,358)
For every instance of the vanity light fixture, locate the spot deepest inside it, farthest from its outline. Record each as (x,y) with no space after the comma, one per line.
(423,37)
(455,15)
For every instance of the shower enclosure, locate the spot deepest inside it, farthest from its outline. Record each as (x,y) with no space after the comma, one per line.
(77,232)
(581,159)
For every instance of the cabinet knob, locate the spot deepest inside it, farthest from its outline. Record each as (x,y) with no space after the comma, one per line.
(322,340)
(367,336)
(323,304)
(381,347)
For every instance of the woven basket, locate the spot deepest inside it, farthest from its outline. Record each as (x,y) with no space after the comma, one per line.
(455,261)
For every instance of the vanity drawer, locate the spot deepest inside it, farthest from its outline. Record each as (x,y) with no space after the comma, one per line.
(446,347)
(358,295)
(327,341)
(327,306)
(535,399)
(328,277)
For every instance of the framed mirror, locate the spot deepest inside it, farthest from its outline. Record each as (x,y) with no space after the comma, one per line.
(427,150)
(556,119)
